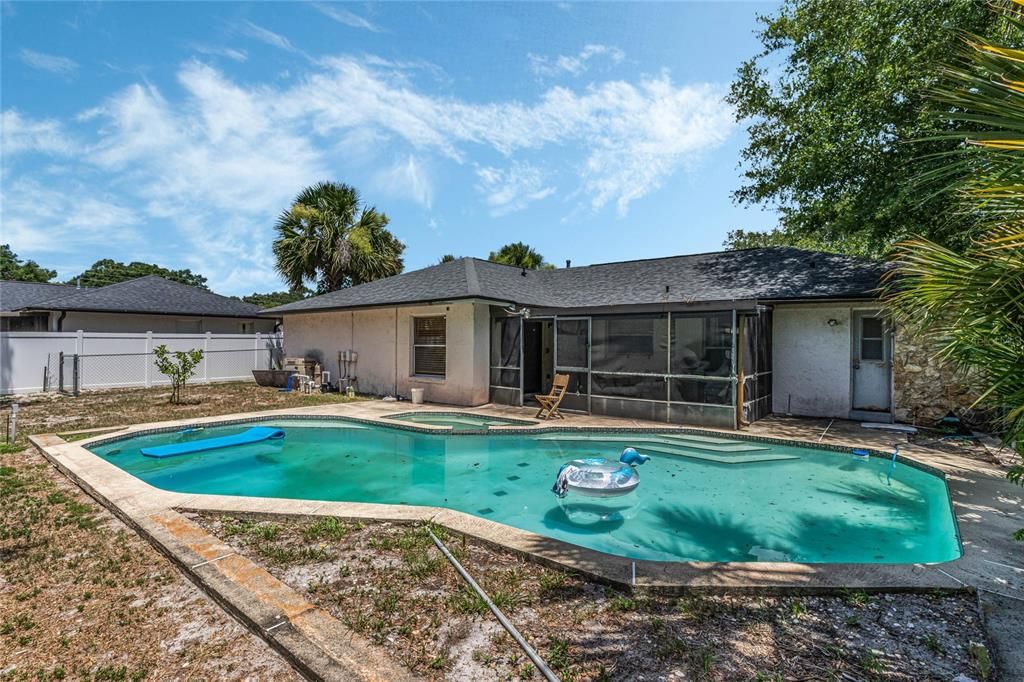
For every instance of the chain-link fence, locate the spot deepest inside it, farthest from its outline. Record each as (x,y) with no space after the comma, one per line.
(80,372)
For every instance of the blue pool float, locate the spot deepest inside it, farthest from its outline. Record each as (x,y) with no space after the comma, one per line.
(253,435)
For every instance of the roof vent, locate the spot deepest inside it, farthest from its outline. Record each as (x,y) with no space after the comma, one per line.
(568,263)
(523,272)
(810,264)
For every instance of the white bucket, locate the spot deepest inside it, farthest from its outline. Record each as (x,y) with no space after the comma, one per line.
(417,396)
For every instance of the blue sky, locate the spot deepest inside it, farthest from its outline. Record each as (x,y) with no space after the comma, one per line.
(176,132)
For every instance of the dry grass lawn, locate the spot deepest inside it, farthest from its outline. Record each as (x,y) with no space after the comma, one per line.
(83,597)
(390,584)
(57,413)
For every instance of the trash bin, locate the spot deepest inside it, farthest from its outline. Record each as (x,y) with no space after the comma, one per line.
(417,396)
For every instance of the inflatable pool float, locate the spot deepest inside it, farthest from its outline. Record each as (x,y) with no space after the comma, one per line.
(598,477)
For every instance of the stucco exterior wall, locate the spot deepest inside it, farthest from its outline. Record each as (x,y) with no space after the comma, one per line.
(811,361)
(383,340)
(162,324)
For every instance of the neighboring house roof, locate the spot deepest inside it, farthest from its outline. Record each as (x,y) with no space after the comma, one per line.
(16,295)
(775,273)
(146,295)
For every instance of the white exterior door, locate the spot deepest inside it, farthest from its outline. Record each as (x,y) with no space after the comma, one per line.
(871,363)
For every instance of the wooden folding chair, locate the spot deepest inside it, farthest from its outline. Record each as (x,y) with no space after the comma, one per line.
(549,403)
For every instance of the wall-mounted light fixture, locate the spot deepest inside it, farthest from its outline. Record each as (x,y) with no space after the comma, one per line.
(833,322)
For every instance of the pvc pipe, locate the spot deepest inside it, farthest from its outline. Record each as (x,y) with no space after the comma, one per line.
(511,629)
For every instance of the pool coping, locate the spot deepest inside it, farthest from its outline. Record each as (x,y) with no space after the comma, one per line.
(136,501)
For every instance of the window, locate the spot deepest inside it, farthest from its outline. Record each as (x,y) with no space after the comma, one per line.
(702,344)
(428,346)
(25,323)
(872,339)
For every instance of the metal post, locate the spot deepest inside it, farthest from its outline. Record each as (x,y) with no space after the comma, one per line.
(60,371)
(206,358)
(77,377)
(148,362)
(735,390)
(12,429)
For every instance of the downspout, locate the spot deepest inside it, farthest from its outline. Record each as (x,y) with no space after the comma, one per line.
(60,320)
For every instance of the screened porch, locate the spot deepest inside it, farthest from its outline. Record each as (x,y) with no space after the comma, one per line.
(678,367)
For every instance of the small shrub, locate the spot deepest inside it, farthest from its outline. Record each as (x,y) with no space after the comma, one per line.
(856,598)
(982,661)
(178,366)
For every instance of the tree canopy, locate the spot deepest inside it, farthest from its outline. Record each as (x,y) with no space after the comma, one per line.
(108,271)
(14,268)
(838,125)
(276,298)
(520,255)
(971,304)
(330,239)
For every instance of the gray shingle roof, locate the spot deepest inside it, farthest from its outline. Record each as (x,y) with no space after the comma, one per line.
(17,295)
(152,295)
(775,273)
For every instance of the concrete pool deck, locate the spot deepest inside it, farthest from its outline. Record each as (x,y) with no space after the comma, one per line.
(987,507)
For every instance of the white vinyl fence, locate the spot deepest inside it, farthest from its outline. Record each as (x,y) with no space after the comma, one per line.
(48,361)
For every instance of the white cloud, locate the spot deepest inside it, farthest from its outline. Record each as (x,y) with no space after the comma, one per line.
(573,64)
(19,134)
(48,62)
(217,165)
(228,52)
(343,16)
(406,178)
(512,189)
(39,217)
(265,35)
(632,136)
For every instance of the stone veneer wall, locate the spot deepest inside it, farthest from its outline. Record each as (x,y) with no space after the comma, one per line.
(925,388)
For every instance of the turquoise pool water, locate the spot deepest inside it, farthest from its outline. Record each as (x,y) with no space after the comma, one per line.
(458,422)
(700,498)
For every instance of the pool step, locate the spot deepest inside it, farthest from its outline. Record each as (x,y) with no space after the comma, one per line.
(721,459)
(727,446)
(743,455)
(719,444)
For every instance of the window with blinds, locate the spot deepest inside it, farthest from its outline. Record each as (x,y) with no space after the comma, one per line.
(428,346)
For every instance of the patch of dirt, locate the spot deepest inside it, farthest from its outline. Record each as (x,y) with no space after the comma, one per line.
(83,597)
(389,583)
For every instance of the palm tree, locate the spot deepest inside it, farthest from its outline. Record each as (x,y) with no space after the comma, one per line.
(520,255)
(972,304)
(329,238)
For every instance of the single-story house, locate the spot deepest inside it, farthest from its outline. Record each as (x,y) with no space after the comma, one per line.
(149,303)
(715,339)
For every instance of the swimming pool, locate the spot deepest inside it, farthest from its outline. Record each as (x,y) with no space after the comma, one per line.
(701,497)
